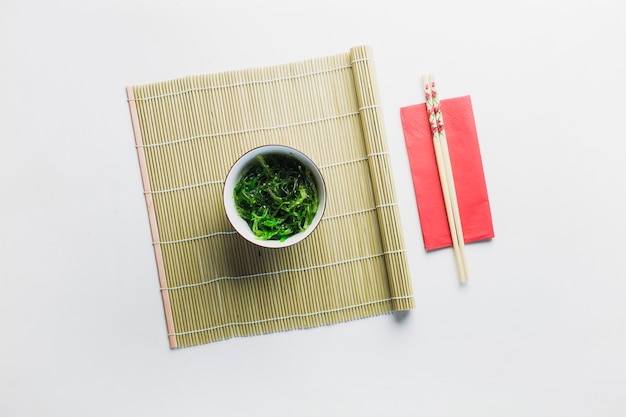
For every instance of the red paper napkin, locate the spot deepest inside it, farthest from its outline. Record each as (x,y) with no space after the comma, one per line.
(467,168)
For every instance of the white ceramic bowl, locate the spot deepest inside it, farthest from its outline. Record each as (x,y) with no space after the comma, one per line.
(239,169)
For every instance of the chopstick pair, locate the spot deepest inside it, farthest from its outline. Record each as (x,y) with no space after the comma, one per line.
(435,118)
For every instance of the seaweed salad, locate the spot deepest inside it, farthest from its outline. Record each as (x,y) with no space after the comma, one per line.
(276,196)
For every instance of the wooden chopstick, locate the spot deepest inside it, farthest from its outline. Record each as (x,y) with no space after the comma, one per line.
(435,117)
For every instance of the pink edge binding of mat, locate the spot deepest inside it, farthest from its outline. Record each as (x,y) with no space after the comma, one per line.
(152,217)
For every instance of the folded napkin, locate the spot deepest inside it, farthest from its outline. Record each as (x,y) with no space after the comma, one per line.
(469,178)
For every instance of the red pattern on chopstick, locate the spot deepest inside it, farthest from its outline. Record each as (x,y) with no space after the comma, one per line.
(435,118)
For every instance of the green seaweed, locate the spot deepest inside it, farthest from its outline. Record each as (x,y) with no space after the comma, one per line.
(277,197)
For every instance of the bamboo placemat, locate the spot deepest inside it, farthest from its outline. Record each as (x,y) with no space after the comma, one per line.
(214,284)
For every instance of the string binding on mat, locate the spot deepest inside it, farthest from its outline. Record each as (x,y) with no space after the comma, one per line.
(292,316)
(360,60)
(283,271)
(240,132)
(254,82)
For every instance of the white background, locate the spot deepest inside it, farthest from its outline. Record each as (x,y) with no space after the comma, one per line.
(539,331)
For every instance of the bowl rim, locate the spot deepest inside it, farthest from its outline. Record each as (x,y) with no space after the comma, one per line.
(236,171)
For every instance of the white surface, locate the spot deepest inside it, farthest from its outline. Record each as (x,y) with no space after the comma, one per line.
(539,331)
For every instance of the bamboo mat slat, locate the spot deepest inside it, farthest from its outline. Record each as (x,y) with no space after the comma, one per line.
(215,285)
